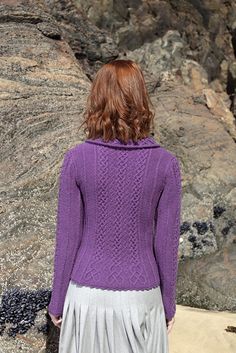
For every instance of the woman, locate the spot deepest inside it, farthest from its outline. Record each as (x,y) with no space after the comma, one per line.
(118,225)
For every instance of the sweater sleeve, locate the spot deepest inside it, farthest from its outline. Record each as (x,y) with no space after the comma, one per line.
(167,235)
(68,233)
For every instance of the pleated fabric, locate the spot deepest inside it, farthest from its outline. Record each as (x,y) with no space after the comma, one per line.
(98,320)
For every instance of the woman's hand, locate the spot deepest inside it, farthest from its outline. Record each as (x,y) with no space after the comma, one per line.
(170,324)
(56,320)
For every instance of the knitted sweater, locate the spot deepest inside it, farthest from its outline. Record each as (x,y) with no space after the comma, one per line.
(118,219)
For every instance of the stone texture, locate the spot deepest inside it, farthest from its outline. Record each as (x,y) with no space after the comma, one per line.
(91,46)
(206,150)
(42,94)
(204,281)
(207,27)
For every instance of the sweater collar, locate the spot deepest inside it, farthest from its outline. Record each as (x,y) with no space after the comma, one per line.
(146,142)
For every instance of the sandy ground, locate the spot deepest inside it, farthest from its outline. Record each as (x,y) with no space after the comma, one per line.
(202,331)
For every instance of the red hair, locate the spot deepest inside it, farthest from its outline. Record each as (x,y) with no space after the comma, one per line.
(118,104)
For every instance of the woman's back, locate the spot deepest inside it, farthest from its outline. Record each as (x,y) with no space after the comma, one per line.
(118,219)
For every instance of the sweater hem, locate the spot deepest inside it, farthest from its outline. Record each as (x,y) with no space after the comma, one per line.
(114,288)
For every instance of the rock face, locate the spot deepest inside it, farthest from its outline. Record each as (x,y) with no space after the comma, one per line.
(203,281)
(91,46)
(49,51)
(208,28)
(207,154)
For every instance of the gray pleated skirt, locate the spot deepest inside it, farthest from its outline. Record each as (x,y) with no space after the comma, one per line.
(98,320)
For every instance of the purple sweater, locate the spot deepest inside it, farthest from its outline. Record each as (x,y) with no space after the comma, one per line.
(118,219)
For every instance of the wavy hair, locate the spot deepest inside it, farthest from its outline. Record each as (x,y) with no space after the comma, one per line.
(118,103)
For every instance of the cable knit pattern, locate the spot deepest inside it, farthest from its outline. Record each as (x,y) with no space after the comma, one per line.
(110,196)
